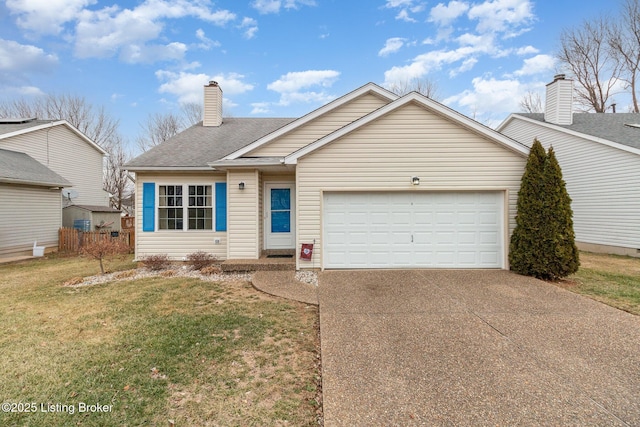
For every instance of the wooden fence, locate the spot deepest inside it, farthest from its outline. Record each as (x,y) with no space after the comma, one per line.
(72,240)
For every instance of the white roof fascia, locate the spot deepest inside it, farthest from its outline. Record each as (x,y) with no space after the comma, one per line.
(52,124)
(369,87)
(168,168)
(249,163)
(428,103)
(586,136)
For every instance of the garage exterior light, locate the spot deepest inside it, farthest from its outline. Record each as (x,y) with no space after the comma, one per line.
(415,180)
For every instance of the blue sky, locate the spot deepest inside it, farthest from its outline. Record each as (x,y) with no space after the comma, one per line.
(281,58)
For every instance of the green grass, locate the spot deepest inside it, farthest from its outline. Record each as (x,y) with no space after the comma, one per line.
(612,279)
(154,349)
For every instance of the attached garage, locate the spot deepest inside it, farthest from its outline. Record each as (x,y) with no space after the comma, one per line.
(414,229)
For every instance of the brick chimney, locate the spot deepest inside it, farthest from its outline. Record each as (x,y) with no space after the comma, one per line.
(212,105)
(559,101)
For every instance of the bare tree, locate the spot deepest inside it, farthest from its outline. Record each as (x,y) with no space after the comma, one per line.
(425,86)
(586,53)
(531,102)
(624,41)
(92,121)
(158,128)
(192,112)
(116,178)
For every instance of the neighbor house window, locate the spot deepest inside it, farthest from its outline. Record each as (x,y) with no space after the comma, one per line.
(200,207)
(170,210)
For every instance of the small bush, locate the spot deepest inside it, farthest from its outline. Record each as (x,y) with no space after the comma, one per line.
(200,260)
(125,274)
(212,269)
(168,273)
(156,262)
(73,281)
(104,247)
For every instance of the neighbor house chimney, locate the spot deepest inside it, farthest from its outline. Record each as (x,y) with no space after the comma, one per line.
(559,101)
(212,114)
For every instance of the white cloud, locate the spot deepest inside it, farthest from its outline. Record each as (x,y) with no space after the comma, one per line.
(430,61)
(492,99)
(527,50)
(188,87)
(501,15)
(444,14)
(539,64)
(105,32)
(294,81)
(392,45)
(407,7)
(205,42)
(273,6)
(267,6)
(293,87)
(261,108)
(250,27)
(46,16)
(19,58)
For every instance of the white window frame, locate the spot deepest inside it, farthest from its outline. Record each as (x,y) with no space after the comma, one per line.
(185,206)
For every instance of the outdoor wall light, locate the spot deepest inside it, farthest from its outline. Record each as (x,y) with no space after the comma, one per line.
(241,185)
(415,180)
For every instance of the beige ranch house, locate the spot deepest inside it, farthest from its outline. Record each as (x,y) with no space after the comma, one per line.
(371,180)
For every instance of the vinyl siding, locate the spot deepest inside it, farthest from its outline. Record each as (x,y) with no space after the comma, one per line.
(243,223)
(601,180)
(28,214)
(65,153)
(324,125)
(385,154)
(177,244)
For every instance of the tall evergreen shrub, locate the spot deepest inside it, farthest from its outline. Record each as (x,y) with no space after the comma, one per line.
(526,251)
(543,242)
(564,256)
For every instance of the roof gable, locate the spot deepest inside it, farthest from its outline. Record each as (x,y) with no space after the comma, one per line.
(13,128)
(615,130)
(425,102)
(369,88)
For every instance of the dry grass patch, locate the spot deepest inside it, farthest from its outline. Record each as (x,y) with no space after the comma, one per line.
(199,353)
(611,279)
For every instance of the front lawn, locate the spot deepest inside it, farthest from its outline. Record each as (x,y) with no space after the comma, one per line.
(611,279)
(151,350)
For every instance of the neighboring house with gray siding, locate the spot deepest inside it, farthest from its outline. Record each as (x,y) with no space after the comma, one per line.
(30,203)
(60,148)
(371,179)
(600,159)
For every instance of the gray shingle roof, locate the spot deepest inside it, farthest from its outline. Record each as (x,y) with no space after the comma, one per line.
(197,146)
(609,126)
(10,125)
(20,168)
(95,208)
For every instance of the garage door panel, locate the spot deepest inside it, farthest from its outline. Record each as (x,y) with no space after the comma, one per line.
(413,229)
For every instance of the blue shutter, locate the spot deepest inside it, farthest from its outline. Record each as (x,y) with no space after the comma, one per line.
(148,206)
(221,206)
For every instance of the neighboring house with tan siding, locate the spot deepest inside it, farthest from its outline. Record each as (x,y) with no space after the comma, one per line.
(371,179)
(30,203)
(600,158)
(60,148)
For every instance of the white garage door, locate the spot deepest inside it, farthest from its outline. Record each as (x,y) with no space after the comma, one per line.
(416,229)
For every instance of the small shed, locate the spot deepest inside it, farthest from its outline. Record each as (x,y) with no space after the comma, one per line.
(91,218)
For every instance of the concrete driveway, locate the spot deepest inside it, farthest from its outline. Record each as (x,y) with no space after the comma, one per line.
(473,348)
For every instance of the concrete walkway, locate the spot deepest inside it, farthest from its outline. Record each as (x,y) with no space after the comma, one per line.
(473,348)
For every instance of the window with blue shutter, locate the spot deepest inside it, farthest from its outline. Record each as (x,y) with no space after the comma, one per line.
(221,206)
(148,206)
